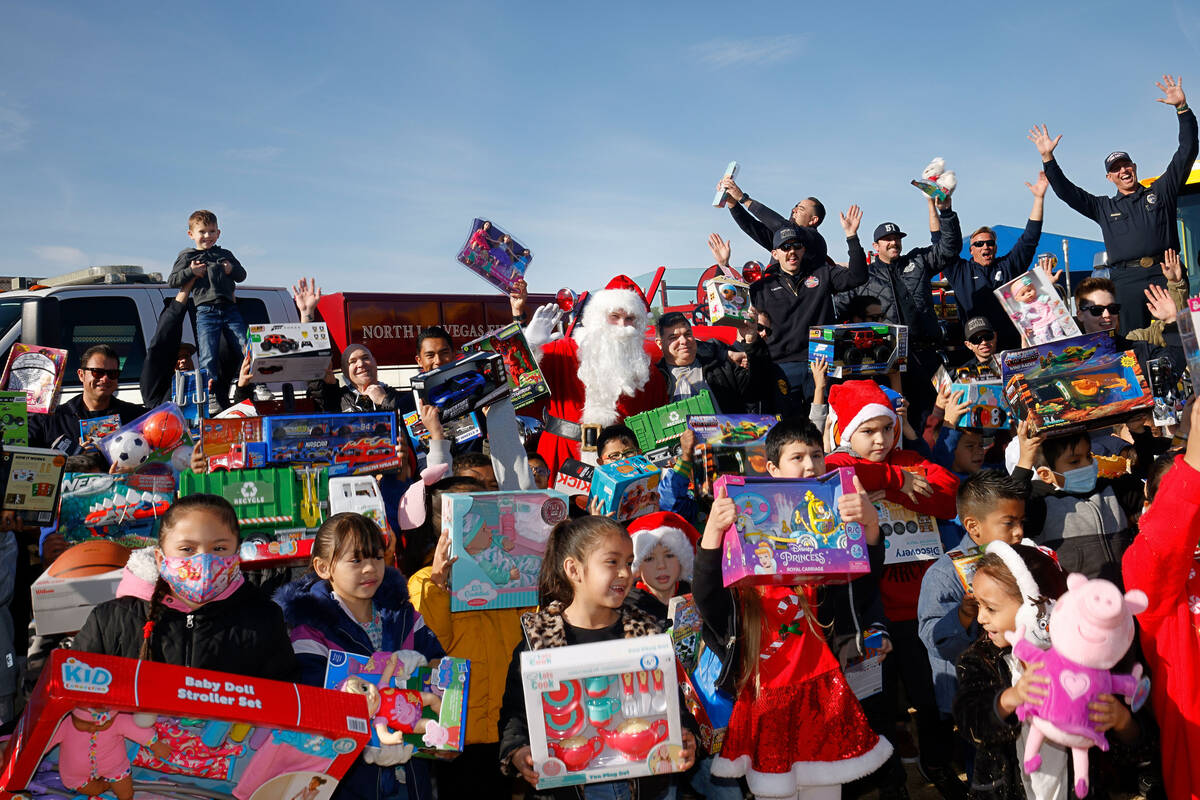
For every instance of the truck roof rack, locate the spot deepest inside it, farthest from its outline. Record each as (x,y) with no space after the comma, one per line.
(118,273)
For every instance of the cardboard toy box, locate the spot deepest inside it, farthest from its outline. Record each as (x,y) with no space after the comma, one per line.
(626,488)
(36,371)
(124,508)
(62,605)
(31,478)
(698,670)
(603,711)
(1188,322)
(288,352)
(428,709)
(965,563)
(1035,308)
(907,535)
(574,479)
(469,384)
(728,301)
(861,348)
(498,539)
(1075,384)
(458,431)
(352,444)
(988,408)
(233,443)
(525,380)
(659,429)
(14,419)
(789,531)
(201,733)
(732,444)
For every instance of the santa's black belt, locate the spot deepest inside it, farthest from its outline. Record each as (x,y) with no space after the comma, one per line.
(584,434)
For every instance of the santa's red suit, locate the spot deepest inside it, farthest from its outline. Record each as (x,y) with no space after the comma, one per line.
(571,400)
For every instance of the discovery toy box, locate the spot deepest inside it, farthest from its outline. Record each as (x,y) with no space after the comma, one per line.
(498,539)
(698,670)
(907,535)
(789,531)
(469,384)
(732,444)
(36,371)
(183,733)
(289,351)
(353,444)
(626,488)
(1033,305)
(31,478)
(861,348)
(658,430)
(125,508)
(424,708)
(1075,384)
(525,381)
(728,301)
(161,435)
(603,711)
(988,408)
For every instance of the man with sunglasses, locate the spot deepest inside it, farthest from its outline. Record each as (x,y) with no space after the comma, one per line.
(1097,309)
(99,374)
(981,344)
(1138,222)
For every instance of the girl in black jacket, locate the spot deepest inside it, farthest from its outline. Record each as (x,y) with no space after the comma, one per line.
(189,605)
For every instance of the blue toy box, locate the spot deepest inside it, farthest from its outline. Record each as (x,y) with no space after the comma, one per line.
(350,443)
(627,488)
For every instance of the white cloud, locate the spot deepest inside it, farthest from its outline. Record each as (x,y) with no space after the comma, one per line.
(721,53)
(13,129)
(61,255)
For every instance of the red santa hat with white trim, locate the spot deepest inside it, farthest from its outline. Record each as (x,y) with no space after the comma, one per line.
(623,293)
(854,402)
(665,528)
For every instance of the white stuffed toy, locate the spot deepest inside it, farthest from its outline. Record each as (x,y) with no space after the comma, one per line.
(937,181)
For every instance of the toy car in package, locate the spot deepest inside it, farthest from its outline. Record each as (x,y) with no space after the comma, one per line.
(466,385)
(1033,304)
(289,351)
(731,444)
(161,435)
(861,348)
(352,444)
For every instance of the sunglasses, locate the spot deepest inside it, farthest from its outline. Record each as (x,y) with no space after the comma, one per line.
(984,243)
(791,246)
(980,338)
(98,373)
(1098,311)
(764,330)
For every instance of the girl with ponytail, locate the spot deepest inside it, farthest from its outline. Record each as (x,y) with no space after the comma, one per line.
(185,602)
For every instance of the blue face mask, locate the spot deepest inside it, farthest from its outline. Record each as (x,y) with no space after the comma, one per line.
(1081,480)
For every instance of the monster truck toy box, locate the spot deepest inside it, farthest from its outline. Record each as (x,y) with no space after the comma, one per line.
(469,384)
(626,488)
(862,348)
(289,352)
(1075,384)
(658,430)
(352,444)
(183,733)
(789,531)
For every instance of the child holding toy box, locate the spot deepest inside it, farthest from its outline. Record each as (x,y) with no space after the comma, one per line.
(354,603)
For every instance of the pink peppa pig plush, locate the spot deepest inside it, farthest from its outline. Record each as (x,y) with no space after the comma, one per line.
(1091,628)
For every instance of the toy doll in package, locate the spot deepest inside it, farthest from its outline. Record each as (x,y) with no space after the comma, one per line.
(603,711)
(1034,306)
(789,531)
(498,539)
(102,724)
(161,435)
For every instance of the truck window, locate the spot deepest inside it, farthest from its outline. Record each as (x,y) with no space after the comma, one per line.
(102,320)
(10,313)
(254,310)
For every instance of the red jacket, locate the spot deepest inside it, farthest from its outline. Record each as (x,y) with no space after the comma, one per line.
(889,475)
(1161,562)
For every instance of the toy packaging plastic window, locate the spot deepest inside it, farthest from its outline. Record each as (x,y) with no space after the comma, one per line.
(36,371)
(499,539)
(352,444)
(125,509)
(603,711)
(494,255)
(861,348)
(469,384)
(698,671)
(1033,304)
(525,381)
(138,728)
(161,435)
(732,444)
(789,531)
(626,488)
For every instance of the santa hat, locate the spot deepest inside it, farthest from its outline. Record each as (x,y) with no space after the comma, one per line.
(1033,617)
(411,512)
(665,528)
(854,402)
(621,293)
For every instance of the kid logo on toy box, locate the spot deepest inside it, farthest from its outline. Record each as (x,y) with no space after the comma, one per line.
(79,677)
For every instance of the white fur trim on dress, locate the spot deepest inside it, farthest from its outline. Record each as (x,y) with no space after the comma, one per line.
(675,540)
(803,773)
(869,411)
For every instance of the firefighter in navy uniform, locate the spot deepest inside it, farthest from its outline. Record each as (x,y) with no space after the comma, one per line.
(1138,222)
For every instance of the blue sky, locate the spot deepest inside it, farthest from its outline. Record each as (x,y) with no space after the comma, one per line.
(356,141)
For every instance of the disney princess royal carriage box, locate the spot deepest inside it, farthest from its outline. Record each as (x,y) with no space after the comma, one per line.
(789,531)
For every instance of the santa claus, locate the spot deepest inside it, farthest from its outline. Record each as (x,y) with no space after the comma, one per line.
(599,375)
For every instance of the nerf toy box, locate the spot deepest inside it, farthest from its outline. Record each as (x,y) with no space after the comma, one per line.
(14,419)
(732,444)
(424,707)
(698,670)
(125,508)
(728,301)
(789,531)
(62,604)
(233,443)
(603,711)
(36,371)
(1033,305)
(469,384)
(353,444)
(289,351)
(1075,384)
(988,408)
(525,381)
(126,728)
(861,348)
(626,488)
(160,436)
(907,535)
(658,430)
(498,539)
(574,479)
(31,478)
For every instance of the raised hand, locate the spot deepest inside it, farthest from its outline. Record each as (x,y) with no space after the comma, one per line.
(856,507)
(1172,89)
(732,188)
(720,517)
(306,294)
(851,220)
(956,407)
(517,298)
(1039,186)
(1160,304)
(720,249)
(1171,266)
(1042,141)
(1046,264)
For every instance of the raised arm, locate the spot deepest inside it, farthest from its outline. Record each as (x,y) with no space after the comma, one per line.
(845,279)
(738,209)
(948,243)
(1068,192)
(1017,260)
(1185,155)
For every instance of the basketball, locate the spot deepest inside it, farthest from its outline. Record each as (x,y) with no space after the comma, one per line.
(162,430)
(89,558)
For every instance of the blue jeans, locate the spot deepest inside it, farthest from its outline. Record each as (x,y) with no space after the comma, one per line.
(616,790)
(708,786)
(214,320)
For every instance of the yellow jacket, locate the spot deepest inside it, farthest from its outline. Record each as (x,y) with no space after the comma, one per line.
(487,638)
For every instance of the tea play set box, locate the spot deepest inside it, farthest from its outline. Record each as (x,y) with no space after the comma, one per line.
(1075,384)
(860,348)
(603,711)
(424,707)
(728,301)
(351,444)
(789,531)
(470,384)
(698,670)
(988,410)
(498,539)
(658,430)
(626,488)
(1033,305)
(178,732)
(36,371)
(288,352)
(731,444)
(525,381)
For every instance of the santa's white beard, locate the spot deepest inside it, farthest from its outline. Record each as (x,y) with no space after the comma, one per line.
(612,362)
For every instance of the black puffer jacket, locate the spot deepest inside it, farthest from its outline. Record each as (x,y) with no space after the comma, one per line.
(734,390)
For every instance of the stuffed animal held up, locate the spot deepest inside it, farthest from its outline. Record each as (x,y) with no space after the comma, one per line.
(937,181)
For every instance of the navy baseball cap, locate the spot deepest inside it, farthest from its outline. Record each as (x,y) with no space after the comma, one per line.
(788,235)
(978,325)
(1114,158)
(888,229)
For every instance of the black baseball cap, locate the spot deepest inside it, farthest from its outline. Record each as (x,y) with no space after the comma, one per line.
(1114,158)
(789,235)
(888,229)
(978,325)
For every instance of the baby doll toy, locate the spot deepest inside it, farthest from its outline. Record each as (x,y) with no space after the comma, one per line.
(92,756)
(1037,314)
(396,712)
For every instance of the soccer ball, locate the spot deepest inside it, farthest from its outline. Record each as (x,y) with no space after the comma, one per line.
(129,449)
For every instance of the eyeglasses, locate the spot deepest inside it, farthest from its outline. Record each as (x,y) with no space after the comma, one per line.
(980,338)
(1098,311)
(623,455)
(540,472)
(984,243)
(791,246)
(764,330)
(97,373)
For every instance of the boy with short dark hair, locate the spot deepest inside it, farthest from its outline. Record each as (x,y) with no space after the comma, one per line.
(616,442)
